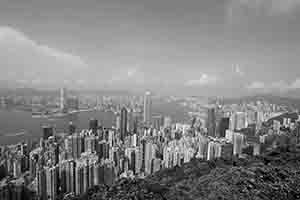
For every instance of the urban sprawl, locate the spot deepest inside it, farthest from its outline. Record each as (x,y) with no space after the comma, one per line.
(138,145)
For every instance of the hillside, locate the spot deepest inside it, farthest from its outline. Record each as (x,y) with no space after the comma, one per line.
(275,175)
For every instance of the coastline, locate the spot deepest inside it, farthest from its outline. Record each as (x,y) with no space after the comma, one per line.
(55,115)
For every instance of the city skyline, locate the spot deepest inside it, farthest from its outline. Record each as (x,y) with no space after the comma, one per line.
(196,47)
(138,144)
(149,99)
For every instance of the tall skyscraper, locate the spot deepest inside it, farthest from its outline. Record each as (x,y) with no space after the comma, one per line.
(118,121)
(47,132)
(77,145)
(167,122)
(158,122)
(238,141)
(93,125)
(148,157)
(241,120)
(130,120)
(51,182)
(123,130)
(238,121)
(223,126)
(72,128)
(41,184)
(211,122)
(63,100)
(147,108)
(136,119)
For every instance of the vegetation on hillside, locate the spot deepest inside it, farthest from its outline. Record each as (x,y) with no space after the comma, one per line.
(275,175)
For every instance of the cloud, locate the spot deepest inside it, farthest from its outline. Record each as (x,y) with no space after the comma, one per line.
(281,86)
(273,86)
(127,76)
(279,6)
(202,81)
(295,84)
(74,61)
(132,72)
(256,85)
(237,9)
(238,70)
(28,61)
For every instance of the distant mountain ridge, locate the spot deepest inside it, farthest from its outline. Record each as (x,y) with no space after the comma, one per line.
(54,92)
(291,102)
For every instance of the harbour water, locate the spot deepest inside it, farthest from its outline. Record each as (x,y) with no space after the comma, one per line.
(17,126)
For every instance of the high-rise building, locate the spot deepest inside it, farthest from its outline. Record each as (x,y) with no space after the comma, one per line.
(79,178)
(219,149)
(213,150)
(41,184)
(156,165)
(16,168)
(90,144)
(238,121)
(72,128)
(63,100)
(72,103)
(211,122)
(149,155)
(238,141)
(123,130)
(167,122)
(135,124)
(47,132)
(51,182)
(70,176)
(93,125)
(63,176)
(241,120)
(132,161)
(130,121)
(77,145)
(223,126)
(147,108)
(109,175)
(158,122)
(118,121)
(33,162)
(202,147)
(138,159)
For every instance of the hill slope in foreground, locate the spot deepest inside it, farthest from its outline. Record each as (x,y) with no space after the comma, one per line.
(275,175)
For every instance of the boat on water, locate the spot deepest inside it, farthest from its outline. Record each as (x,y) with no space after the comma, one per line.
(60,114)
(39,115)
(16,134)
(54,115)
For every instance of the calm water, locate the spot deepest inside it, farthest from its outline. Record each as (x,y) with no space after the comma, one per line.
(16,126)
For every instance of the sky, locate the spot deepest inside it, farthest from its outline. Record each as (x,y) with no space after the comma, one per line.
(190,47)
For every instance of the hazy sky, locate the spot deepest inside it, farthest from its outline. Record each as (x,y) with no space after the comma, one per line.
(199,47)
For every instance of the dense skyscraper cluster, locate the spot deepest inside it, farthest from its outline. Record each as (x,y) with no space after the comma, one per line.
(138,145)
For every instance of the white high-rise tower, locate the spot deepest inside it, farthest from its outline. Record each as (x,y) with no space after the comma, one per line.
(147,108)
(63,100)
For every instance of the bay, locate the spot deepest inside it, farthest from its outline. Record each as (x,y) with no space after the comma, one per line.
(16,126)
